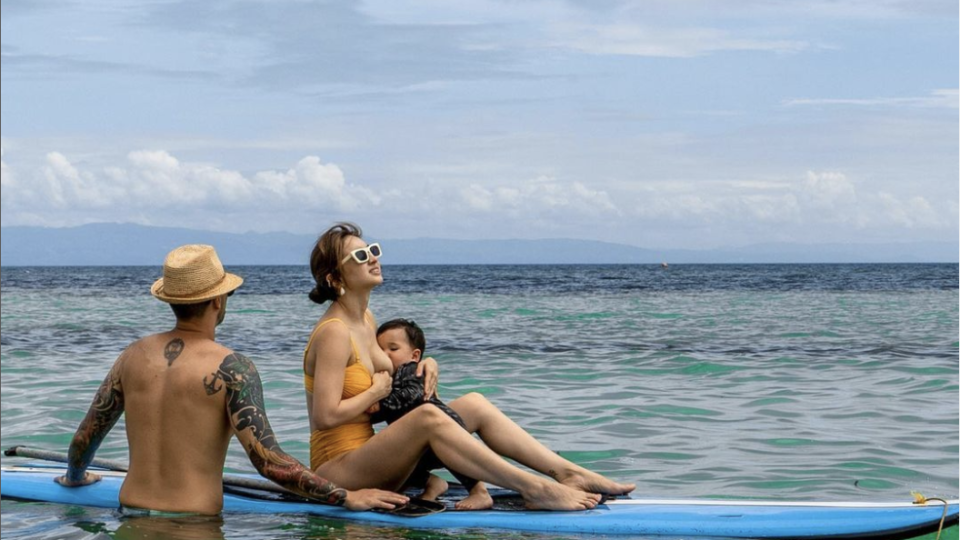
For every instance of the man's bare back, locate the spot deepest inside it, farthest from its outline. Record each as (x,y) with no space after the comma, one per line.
(177,425)
(184,396)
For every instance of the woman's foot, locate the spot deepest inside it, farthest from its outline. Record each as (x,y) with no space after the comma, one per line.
(553,496)
(592,482)
(434,488)
(478,499)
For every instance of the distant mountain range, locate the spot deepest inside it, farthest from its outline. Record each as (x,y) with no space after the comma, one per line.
(107,244)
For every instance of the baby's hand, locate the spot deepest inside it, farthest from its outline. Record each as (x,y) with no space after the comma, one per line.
(374,409)
(382,384)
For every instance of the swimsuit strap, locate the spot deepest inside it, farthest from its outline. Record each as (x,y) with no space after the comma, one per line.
(353,344)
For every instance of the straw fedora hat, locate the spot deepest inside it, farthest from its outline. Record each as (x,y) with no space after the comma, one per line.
(193,274)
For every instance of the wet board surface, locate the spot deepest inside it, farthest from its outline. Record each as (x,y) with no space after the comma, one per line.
(623,516)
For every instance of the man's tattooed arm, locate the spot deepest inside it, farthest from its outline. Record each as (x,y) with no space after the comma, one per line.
(106,409)
(244,400)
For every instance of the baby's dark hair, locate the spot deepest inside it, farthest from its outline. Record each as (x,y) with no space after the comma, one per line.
(414,333)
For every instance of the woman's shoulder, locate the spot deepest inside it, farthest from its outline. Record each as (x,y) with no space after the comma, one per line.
(331,342)
(331,327)
(331,332)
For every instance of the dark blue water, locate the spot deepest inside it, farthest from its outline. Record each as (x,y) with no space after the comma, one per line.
(531,279)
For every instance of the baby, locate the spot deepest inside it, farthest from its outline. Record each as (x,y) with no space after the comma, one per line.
(404,343)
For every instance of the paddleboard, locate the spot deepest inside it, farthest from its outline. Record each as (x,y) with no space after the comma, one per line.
(622,516)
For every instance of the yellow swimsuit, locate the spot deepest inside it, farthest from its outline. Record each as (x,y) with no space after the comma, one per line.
(326,444)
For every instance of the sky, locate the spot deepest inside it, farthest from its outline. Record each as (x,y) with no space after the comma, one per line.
(682,124)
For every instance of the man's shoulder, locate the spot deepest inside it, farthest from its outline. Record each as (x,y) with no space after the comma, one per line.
(199,349)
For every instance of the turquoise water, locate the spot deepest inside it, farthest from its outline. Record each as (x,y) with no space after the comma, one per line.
(782,387)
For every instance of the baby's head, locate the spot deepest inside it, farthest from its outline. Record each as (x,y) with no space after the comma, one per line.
(402,340)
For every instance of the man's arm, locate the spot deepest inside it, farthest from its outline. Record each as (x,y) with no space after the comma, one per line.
(238,377)
(106,409)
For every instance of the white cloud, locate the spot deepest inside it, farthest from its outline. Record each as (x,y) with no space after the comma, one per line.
(156,180)
(938,99)
(828,190)
(650,28)
(6,180)
(624,38)
(915,212)
(64,186)
(478,197)
(825,198)
(717,205)
(543,194)
(156,188)
(773,208)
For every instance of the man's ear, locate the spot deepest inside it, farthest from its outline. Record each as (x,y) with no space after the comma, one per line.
(217,303)
(416,355)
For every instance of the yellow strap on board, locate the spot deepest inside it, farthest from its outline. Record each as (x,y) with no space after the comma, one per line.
(918,498)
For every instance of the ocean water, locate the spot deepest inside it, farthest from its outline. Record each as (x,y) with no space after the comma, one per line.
(827,382)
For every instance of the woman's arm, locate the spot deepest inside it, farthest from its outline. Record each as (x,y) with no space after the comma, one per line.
(430,371)
(330,353)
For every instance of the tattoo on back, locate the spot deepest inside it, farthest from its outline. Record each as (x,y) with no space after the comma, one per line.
(172,351)
(244,396)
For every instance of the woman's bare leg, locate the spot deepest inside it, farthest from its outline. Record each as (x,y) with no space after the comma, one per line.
(506,438)
(386,460)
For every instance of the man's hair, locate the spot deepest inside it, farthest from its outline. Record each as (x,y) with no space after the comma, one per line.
(414,333)
(187,312)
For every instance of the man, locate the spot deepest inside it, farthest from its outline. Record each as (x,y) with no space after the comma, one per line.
(184,395)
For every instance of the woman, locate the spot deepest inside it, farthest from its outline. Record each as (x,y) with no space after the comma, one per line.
(346,372)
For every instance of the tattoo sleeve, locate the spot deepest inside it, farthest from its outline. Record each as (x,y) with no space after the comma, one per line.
(238,377)
(106,409)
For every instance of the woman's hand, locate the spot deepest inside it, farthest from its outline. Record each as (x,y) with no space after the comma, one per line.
(430,371)
(382,384)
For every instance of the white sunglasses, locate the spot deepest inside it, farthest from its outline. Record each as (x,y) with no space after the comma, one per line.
(362,255)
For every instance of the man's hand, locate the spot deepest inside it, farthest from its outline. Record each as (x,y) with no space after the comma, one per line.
(88,478)
(428,369)
(366,499)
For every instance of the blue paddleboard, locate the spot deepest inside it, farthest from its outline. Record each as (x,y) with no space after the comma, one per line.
(625,516)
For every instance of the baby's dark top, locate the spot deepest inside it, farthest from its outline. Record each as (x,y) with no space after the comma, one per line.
(407,395)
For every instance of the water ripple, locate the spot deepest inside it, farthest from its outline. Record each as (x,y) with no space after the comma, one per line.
(811,392)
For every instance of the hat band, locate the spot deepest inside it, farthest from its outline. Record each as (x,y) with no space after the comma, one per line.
(188,294)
